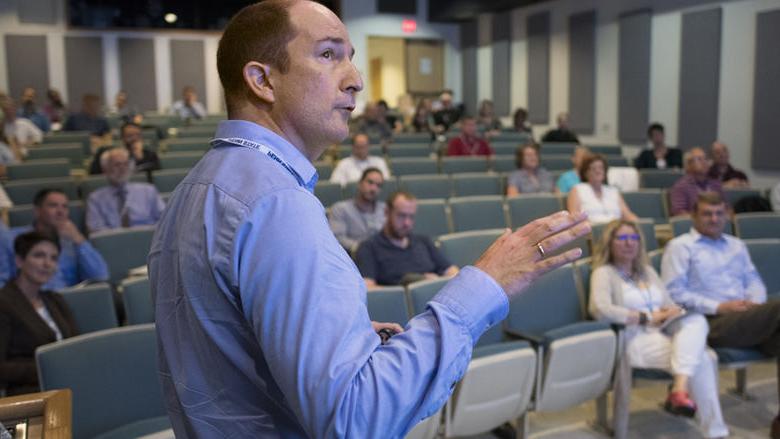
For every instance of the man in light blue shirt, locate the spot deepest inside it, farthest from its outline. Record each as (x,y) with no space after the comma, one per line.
(353,221)
(79,261)
(709,272)
(261,318)
(121,203)
(189,107)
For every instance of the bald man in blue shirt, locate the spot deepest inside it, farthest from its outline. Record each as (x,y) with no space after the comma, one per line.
(261,318)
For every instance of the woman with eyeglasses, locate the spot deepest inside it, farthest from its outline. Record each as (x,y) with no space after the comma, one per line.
(625,289)
(29,316)
(602,202)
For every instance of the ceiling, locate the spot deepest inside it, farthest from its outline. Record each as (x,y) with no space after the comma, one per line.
(464,10)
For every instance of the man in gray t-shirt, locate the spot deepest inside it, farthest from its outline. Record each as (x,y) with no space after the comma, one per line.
(354,220)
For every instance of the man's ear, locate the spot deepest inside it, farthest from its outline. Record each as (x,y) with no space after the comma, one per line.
(256,77)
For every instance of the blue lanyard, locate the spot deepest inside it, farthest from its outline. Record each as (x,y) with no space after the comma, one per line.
(240,141)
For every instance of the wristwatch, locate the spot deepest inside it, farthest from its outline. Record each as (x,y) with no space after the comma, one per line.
(643,318)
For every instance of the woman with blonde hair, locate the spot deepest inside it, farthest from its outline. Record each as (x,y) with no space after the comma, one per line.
(625,289)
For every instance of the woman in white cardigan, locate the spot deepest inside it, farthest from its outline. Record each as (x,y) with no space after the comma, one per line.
(625,289)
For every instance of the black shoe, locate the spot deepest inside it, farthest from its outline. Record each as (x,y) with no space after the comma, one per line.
(775,432)
(505,431)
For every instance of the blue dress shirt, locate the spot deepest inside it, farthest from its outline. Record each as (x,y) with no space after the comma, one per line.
(261,318)
(142,205)
(77,263)
(701,272)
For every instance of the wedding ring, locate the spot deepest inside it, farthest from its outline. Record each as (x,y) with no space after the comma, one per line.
(541,249)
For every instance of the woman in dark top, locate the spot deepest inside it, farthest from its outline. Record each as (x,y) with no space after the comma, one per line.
(30,317)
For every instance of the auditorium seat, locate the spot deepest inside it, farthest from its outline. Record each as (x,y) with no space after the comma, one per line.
(658,179)
(498,385)
(557,148)
(196,131)
(189,144)
(123,249)
(388,305)
(606,150)
(92,306)
(346,150)
(180,160)
(550,315)
(137,300)
(413,166)
(734,195)
(556,162)
(420,138)
(647,203)
(421,150)
(426,185)
(757,225)
(69,137)
(655,257)
(432,219)
(512,137)
(764,253)
(464,248)
(328,192)
(71,151)
(167,180)
(388,187)
(525,208)
(476,183)
(43,168)
(23,191)
(114,380)
(503,163)
(477,213)
(452,165)
(504,148)
(324,170)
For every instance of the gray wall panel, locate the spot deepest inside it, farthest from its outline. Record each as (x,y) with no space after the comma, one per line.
(188,68)
(766,93)
(699,78)
(469,39)
(38,11)
(27,64)
(582,72)
(539,67)
(84,68)
(502,75)
(634,76)
(136,67)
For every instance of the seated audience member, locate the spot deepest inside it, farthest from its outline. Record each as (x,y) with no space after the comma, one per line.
(487,121)
(395,255)
(774,197)
(447,114)
(90,119)
(568,179)
(355,220)
(529,177)
(55,109)
(122,110)
(520,121)
(406,110)
(659,156)
(625,289)
(722,170)
(188,107)
(78,260)
(602,202)
(30,315)
(709,272)
(373,124)
(351,168)
(682,195)
(21,132)
(9,154)
(29,110)
(122,203)
(562,133)
(468,142)
(143,159)
(422,120)
(392,117)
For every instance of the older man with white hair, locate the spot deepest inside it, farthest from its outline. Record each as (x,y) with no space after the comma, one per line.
(122,203)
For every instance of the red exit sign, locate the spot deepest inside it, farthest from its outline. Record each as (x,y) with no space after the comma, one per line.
(409,26)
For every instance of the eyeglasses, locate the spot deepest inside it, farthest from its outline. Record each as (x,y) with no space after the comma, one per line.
(627,237)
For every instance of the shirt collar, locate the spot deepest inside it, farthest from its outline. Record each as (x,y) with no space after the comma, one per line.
(290,154)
